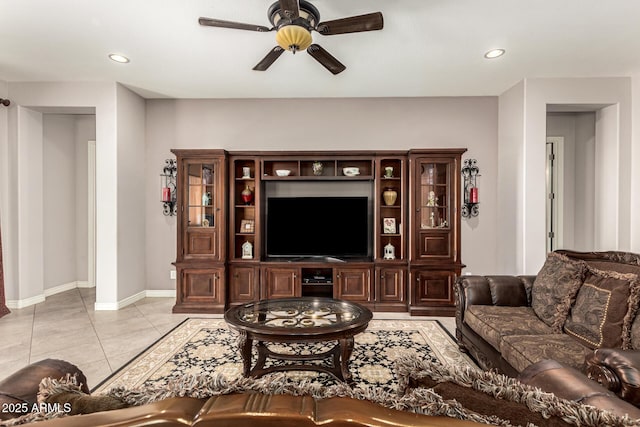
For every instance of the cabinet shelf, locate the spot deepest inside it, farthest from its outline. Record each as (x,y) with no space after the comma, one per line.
(317,178)
(303,169)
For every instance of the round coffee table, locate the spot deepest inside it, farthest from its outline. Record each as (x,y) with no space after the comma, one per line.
(298,320)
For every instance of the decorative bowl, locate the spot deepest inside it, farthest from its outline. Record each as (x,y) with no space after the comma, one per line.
(351,171)
(283,172)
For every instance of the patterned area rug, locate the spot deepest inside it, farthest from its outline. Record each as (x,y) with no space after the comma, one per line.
(208,346)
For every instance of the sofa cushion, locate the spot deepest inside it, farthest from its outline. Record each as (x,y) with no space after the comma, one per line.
(523,350)
(555,288)
(604,309)
(493,322)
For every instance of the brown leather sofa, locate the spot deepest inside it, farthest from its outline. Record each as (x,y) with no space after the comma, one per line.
(510,296)
(18,395)
(257,410)
(263,410)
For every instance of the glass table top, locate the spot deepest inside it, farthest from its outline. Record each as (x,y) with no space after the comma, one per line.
(304,312)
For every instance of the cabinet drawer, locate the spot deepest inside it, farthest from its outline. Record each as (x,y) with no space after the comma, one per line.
(433,287)
(243,284)
(435,245)
(201,244)
(390,285)
(353,284)
(204,286)
(281,283)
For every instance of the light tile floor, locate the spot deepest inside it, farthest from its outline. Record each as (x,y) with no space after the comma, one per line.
(67,327)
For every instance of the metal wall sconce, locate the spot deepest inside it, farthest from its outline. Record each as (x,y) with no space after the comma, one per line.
(470,173)
(168,184)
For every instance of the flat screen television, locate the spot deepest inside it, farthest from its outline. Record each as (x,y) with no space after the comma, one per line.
(335,227)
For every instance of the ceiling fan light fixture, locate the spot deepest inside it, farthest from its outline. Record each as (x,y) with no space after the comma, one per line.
(118,58)
(293,38)
(494,53)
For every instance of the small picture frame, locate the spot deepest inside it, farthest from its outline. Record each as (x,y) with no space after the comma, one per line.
(389,226)
(247,226)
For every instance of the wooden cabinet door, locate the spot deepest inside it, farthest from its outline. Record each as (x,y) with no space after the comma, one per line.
(281,282)
(202,287)
(390,284)
(353,284)
(433,287)
(243,284)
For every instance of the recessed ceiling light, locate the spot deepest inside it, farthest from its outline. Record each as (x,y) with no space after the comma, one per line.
(118,58)
(494,53)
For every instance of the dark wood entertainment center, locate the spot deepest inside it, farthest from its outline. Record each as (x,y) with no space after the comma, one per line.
(415,209)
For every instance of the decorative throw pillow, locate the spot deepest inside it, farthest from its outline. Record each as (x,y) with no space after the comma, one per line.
(604,309)
(555,288)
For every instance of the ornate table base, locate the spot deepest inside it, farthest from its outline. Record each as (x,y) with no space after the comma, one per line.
(340,355)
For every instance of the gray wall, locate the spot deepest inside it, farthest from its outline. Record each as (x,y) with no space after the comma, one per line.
(323,124)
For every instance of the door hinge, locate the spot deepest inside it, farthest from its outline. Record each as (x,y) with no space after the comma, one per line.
(552,196)
(552,235)
(552,157)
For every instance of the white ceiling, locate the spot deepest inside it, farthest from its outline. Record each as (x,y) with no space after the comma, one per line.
(427,47)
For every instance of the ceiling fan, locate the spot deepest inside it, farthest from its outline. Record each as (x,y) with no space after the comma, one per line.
(293,21)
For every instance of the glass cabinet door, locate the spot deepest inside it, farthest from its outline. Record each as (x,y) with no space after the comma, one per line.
(433,204)
(201,198)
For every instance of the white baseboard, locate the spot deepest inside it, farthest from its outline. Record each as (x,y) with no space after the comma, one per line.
(84,284)
(22,303)
(150,293)
(161,293)
(60,288)
(112,306)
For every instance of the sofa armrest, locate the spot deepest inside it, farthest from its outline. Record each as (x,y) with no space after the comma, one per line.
(617,370)
(513,291)
(568,383)
(20,390)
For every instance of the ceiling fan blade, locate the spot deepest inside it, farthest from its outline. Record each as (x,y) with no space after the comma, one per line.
(326,59)
(269,59)
(353,24)
(230,24)
(290,8)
